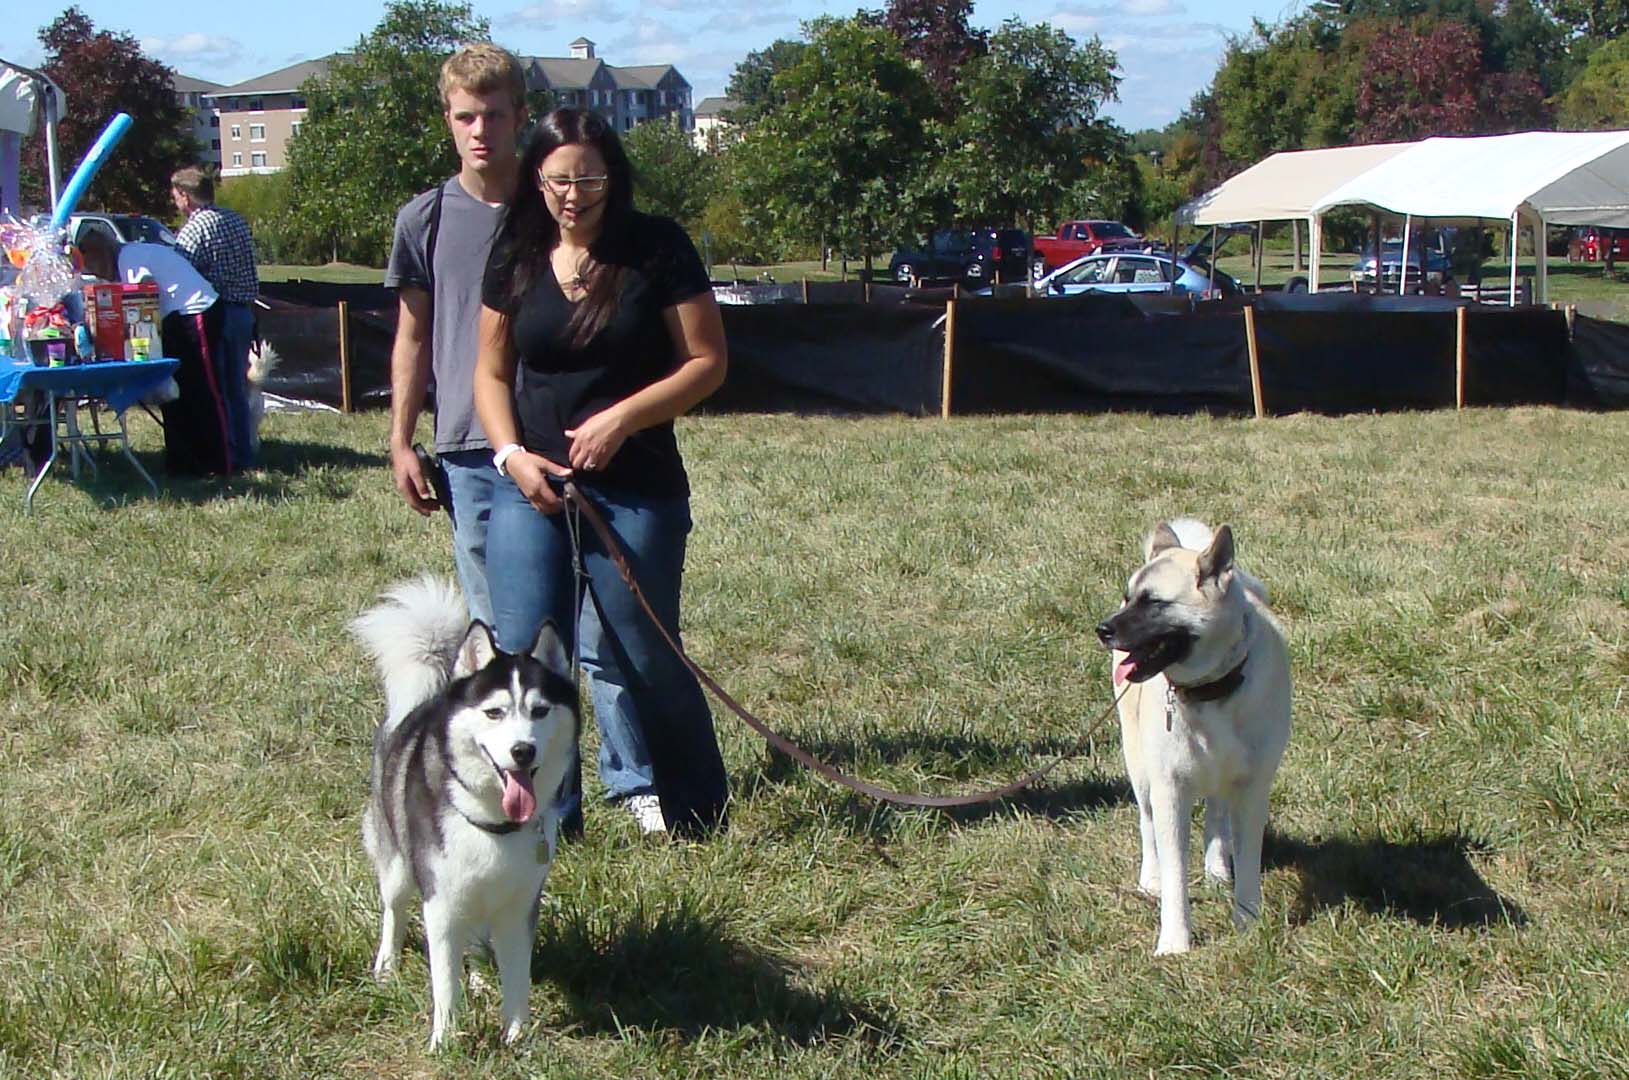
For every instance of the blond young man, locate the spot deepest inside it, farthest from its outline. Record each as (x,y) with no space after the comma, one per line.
(437,259)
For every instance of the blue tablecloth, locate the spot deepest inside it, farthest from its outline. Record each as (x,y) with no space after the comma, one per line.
(120,383)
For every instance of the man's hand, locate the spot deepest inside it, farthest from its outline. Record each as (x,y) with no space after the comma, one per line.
(411,481)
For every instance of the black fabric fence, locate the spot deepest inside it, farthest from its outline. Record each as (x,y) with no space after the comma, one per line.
(1598,374)
(1329,353)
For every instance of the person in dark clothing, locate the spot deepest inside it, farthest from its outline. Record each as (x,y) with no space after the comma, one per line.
(598,329)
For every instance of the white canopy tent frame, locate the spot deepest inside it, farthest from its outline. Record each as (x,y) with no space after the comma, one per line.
(27,95)
(1531,178)
(1285,187)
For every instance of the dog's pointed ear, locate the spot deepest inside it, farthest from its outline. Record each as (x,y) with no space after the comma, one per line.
(548,650)
(1217,559)
(1161,539)
(476,652)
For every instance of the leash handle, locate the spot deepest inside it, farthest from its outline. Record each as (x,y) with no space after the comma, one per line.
(591,514)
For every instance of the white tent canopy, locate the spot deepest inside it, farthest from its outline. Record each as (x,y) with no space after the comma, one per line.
(1536,178)
(1563,177)
(1285,186)
(25,96)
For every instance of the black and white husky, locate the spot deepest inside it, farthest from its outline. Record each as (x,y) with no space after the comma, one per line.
(465,767)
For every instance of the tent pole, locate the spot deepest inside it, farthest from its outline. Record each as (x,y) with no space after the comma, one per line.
(1210,286)
(1402,271)
(51,118)
(1374,220)
(1261,254)
(1315,240)
(1541,249)
(1515,229)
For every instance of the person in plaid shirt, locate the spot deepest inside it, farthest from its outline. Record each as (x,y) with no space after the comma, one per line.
(218,244)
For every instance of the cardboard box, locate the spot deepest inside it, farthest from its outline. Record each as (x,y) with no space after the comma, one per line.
(112,312)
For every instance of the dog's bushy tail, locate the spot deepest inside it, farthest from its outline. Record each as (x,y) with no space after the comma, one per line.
(413,635)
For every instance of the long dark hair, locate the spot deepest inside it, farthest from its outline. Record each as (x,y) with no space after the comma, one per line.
(529,232)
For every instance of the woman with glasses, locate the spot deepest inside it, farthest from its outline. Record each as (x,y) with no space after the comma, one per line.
(598,329)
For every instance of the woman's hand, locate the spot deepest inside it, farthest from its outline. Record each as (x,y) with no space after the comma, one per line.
(596,440)
(531,474)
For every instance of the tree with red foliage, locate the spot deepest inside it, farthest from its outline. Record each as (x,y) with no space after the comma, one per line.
(104,73)
(1429,78)
(936,34)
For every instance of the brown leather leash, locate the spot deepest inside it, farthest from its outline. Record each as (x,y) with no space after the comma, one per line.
(576,500)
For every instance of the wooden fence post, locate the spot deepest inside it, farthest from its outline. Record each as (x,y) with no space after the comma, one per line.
(866,293)
(1255,359)
(1459,357)
(805,290)
(950,357)
(344,357)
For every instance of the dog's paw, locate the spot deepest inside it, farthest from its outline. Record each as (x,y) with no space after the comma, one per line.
(511,1032)
(384,968)
(1172,945)
(1219,870)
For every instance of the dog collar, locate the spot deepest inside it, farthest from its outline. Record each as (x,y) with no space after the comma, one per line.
(1212,691)
(501,829)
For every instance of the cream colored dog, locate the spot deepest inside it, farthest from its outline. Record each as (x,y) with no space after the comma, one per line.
(1207,715)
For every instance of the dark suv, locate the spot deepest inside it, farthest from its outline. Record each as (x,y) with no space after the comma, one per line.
(977,255)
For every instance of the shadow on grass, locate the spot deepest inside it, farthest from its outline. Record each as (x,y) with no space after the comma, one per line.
(1430,881)
(282,465)
(677,971)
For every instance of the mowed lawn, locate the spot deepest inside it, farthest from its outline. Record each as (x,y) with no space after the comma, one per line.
(185,726)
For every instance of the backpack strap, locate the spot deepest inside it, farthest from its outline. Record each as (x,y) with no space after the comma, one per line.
(435,230)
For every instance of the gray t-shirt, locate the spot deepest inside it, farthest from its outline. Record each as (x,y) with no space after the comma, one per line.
(462,244)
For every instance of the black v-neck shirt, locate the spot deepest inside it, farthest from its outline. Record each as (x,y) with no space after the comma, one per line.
(558,386)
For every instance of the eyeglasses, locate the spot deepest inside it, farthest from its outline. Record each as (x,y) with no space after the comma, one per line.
(559,185)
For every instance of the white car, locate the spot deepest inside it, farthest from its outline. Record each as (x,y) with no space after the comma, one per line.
(1133,272)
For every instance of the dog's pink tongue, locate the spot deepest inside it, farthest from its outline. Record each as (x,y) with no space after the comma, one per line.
(519,801)
(1123,670)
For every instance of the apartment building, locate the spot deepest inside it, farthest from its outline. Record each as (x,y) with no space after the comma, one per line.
(713,122)
(625,96)
(193,96)
(258,117)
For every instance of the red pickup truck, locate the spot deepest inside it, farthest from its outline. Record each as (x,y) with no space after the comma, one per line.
(1077,238)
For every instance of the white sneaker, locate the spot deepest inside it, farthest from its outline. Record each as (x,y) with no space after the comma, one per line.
(647,813)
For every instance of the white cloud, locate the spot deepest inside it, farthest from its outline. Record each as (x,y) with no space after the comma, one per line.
(551,13)
(194,48)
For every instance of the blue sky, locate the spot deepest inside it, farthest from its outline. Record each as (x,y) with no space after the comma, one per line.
(1168,49)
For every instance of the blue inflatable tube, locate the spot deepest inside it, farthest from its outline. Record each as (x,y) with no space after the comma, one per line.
(86,172)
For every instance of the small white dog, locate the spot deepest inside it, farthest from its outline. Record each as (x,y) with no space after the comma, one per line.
(1207,715)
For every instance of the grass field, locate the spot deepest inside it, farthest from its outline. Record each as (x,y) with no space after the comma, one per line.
(186,728)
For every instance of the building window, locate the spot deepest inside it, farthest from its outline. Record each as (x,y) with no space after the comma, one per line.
(295,128)
(258,158)
(214,120)
(257,132)
(237,160)
(237,131)
(214,144)
(296,102)
(257,105)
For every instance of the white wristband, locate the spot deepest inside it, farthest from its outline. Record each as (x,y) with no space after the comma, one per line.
(505,452)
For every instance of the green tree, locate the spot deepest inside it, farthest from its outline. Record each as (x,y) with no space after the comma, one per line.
(1598,99)
(836,159)
(103,73)
(672,177)
(751,85)
(375,133)
(1598,20)
(1285,87)
(1028,141)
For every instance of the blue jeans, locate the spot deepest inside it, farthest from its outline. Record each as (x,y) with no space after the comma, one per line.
(470,479)
(641,687)
(231,359)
